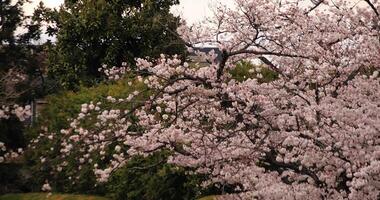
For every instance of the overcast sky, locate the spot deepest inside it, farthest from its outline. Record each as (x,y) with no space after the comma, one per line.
(191,10)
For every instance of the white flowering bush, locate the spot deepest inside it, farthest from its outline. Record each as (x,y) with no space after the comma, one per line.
(21,114)
(54,117)
(11,90)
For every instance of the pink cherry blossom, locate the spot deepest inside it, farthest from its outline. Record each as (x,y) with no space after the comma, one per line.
(312,133)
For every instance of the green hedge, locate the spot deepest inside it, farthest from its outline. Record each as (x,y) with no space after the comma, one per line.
(152,179)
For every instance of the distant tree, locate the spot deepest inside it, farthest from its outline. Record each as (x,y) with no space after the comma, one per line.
(21,76)
(91,33)
(20,59)
(10,18)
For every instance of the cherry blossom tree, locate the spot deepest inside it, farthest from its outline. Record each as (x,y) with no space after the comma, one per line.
(313,133)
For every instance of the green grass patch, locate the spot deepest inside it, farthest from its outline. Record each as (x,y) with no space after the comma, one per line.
(42,196)
(208,198)
(245,70)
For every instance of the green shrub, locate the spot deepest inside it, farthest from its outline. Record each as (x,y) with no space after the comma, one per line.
(53,118)
(11,178)
(66,105)
(246,69)
(152,178)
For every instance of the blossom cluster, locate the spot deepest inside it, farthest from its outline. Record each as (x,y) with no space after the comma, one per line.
(114,73)
(22,113)
(6,154)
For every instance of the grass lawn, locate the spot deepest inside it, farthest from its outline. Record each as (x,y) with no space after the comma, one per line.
(42,196)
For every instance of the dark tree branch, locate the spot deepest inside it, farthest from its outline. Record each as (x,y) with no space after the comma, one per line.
(373,7)
(316,5)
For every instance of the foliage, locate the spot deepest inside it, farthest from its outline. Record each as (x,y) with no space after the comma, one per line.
(15,49)
(54,117)
(19,60)
(21,74)
(10,19)
(11,178)
(245,70)
(66,104)
(92,33)
(152,179)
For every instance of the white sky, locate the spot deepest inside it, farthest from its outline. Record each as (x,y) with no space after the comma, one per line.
(197,10)
(191,10)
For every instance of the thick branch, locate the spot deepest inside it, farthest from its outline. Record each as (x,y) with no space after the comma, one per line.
(372,7)
(314,7)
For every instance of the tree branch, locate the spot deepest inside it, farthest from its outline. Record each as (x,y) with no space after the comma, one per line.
(372,7)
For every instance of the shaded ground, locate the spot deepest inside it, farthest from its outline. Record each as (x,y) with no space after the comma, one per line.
(44,196)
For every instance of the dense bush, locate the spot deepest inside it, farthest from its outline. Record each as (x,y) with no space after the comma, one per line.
(152,178)
(245,69)
(54,117)
(68,104)
(12,179)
